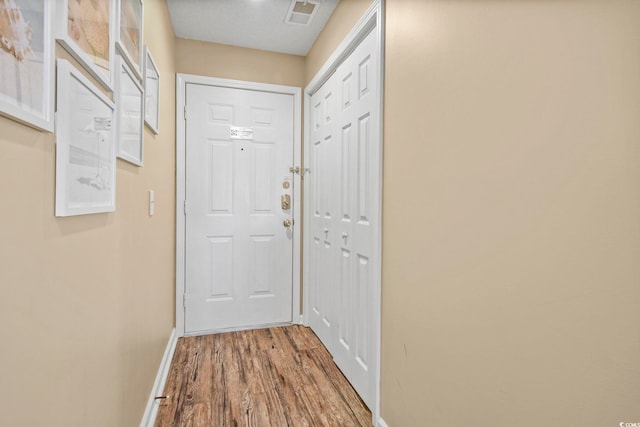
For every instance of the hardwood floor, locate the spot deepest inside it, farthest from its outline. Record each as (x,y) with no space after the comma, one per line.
(273,377)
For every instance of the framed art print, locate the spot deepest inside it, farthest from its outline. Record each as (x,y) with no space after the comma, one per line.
(130,18)
(151,92)
(27,62)
(129,98)
(86,29)
(85,146)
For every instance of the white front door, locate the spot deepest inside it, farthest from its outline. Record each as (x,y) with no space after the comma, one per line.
(343,218)
(238,249)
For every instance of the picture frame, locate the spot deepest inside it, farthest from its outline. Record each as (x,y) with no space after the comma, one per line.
(151,92)
(85,145)
(129,100)
(87,30)
(130,34)
(27,61)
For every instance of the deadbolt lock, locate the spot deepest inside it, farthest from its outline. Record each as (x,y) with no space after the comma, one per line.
(285,202)
(287,223)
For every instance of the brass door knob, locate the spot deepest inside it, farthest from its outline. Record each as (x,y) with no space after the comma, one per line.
(287,223)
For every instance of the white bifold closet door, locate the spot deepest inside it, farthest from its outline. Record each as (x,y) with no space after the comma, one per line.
(343,218)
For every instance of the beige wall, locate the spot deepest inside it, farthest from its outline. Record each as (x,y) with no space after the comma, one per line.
(238,63)
(511,280)
(511,225)
(343,19)
(87,301)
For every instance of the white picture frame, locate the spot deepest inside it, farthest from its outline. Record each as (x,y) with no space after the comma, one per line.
(129,100)
(151,92)
(27,54)
(85,145)
(88,34)
(130,34)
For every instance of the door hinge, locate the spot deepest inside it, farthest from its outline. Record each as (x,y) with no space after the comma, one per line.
(185,112)
(186,209)
(300,171)
(184,300)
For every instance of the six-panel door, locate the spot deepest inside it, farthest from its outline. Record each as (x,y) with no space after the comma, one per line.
(239,147)
(344,197)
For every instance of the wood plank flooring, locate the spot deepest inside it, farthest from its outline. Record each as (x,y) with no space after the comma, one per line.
(274,377)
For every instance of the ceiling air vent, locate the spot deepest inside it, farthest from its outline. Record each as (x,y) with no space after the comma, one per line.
(301,12)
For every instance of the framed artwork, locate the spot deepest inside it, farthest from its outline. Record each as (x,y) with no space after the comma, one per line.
(85,146)
(151,91)
(27,62)
(129,98)
(86,29)
(130,33)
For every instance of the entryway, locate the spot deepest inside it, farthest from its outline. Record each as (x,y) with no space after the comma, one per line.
(238,142)
(234,279)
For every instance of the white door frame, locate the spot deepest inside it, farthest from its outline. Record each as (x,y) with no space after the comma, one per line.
(181,89)
(373,19)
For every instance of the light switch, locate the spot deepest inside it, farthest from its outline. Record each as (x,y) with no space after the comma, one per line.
(152,202)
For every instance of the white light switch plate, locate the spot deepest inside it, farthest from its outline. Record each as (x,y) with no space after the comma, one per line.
(152,202)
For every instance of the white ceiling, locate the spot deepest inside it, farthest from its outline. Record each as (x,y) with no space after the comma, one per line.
(258,24)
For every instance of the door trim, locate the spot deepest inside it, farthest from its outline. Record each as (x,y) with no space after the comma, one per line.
(181,85)
(372,20)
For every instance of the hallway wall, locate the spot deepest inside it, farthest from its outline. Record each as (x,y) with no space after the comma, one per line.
(511,225)
(238,63)
(87,301)
(511,280)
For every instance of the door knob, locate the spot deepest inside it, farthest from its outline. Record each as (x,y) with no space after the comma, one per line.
(287,223)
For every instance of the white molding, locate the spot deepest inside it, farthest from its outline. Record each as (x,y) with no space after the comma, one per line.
(181,83)
(306,245)
(150,412)
(373,19)
(380,28)
(180,197)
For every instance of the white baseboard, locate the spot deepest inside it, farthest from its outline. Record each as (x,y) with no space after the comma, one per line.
(381,423)
(150,412)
